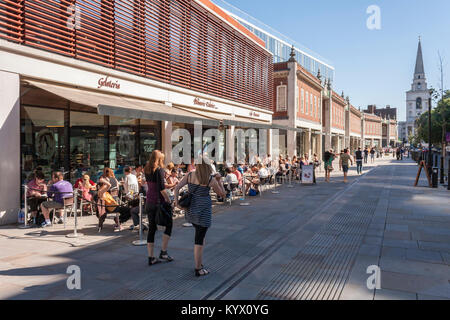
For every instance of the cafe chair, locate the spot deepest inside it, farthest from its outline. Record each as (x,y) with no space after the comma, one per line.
(68,208)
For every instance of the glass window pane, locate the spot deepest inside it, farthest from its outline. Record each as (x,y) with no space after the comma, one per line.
(87,144)
(42,135)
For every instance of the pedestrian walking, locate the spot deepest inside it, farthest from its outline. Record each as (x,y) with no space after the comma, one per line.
(328,158)
(199,212)
(344,163)
(366,154)
(359,161)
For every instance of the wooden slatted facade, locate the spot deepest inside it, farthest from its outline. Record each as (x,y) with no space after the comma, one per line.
(179,42)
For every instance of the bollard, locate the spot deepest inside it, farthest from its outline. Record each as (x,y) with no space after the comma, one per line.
(141,241)
(434,177)
(448,175)
(274,191)
(290,179)
(244,204)
(75,233)
(25,214)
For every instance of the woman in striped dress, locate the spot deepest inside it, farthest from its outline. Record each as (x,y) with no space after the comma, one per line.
(200,211)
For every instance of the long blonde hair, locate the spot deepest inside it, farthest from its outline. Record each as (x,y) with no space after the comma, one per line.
(203,173)
(156,161)
(86,182)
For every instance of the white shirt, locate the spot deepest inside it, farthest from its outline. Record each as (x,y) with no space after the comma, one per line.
(231,178)
(263,173)
(131,184)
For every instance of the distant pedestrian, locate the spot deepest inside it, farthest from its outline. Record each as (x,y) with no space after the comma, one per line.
(372,155)
(366,154)
(359,160)
(328,158)
(343,163)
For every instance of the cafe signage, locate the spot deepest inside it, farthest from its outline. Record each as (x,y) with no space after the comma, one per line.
(254,114)
(207,104)
(108,83)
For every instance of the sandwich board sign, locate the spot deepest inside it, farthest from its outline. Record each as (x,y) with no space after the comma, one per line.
(307,174)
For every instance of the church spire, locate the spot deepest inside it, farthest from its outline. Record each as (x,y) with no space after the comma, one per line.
(419,70)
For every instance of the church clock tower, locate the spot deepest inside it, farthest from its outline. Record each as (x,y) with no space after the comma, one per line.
(417,97)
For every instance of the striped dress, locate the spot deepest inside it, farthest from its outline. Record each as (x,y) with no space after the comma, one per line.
(200,211)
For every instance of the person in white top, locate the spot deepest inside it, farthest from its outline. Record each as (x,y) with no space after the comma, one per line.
(231,178)
(263,173)
(130,185)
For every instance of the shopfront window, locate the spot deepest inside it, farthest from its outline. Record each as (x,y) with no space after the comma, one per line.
(122,143)
(87,144)
(42,136)
(149,139)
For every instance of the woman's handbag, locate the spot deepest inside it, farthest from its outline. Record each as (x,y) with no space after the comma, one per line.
(185,199)
(163,216)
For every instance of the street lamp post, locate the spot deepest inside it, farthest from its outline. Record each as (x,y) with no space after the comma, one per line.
(430,156)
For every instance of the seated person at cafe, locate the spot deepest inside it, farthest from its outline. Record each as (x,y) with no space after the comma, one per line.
(130,184)
(263,173)
(59,190)
(106,205)
(237,173)
(231,180)
(251,178)
(86,188)
(36,194)
(81,181)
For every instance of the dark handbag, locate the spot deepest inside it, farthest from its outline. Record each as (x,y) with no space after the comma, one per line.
(185,199)
(163,216)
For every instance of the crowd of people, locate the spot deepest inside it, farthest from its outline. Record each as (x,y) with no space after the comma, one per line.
(163,185)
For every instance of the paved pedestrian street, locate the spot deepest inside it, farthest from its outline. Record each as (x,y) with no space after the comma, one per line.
(306,242)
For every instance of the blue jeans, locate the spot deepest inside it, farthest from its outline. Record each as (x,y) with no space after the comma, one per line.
(359,166)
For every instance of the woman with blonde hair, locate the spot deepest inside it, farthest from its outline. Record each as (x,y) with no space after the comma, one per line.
(199,212)
(156,196)
(109,184)
(85,187)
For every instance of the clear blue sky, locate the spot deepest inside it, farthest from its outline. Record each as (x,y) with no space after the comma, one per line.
(372,66)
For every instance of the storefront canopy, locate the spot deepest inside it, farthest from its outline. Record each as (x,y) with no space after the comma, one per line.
(228,120)
(280,127)
(125,107)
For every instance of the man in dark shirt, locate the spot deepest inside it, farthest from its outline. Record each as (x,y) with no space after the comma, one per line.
(366,154)
(359,160)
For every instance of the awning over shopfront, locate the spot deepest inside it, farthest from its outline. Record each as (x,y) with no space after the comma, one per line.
(229,120)
(280,127)
(121,106)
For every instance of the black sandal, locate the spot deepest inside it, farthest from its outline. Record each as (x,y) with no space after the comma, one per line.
(152,261)
(164,256)
(201,272)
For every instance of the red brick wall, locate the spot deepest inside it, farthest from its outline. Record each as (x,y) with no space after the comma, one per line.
(338,115)
(276,83)
(312,111)
(355,123)
(372,128)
